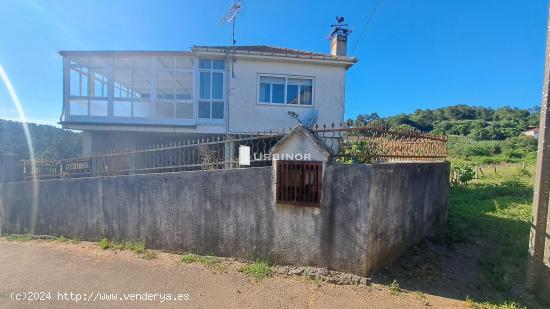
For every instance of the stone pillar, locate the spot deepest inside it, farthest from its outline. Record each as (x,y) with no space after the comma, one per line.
(87,143)
(229,152)
(538,272)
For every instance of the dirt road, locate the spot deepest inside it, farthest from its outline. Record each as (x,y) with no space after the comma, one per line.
(92,274)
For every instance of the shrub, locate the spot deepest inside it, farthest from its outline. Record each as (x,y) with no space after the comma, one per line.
(257,270)
(104,243)
(461,174)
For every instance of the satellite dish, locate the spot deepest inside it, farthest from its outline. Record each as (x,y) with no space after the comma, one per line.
(307,118)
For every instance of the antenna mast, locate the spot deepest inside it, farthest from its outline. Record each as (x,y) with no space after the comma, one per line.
(230,17)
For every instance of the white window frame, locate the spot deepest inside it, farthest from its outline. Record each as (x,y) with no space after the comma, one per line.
(211,100)
(174,101)
(286,77)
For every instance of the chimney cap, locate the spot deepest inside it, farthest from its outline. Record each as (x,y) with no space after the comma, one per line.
(340,28)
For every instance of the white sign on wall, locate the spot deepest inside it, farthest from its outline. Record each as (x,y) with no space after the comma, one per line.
(244,155)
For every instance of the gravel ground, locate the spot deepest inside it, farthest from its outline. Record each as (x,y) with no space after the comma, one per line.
(92,274)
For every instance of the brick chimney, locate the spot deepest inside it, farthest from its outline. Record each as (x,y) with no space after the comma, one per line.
(339,38)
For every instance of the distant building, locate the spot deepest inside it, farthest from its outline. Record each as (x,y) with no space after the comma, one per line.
(127,99)
(534,133)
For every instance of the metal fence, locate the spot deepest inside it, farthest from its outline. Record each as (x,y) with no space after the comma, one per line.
(219,152)
(379,144)
(350,145)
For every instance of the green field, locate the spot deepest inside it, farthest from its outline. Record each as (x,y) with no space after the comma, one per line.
(481,254)
(495,211)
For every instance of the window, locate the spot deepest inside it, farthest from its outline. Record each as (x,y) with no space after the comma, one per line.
(132,82)
(78,77)
(175,87)
(299,183)
(285,90)
(272,89)
(211,89)
(123,86)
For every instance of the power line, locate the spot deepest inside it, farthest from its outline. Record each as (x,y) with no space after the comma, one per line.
(366,25)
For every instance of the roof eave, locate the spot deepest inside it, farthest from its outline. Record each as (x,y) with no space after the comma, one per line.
(347,61)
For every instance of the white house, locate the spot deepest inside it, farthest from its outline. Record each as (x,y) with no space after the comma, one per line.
(534,133)
(124,99)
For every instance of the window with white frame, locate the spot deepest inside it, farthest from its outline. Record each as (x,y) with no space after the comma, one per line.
(132,83)
(175,87)
(211,89)
(277,89)
(123,86)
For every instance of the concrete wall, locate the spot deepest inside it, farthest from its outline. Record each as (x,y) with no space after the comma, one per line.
(369,213)
(104,141)
(247,115)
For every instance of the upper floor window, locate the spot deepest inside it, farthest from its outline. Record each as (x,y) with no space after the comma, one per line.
(132,84)
(175,87)
(139,86)
(211,88)
(276,89)
(89,79)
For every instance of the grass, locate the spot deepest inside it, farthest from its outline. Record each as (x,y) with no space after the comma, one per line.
(394,287)
(19,237)
(134,246)
(494,211)
(486,305)
(257,270)
(104,243)
(498,209)
(211,262)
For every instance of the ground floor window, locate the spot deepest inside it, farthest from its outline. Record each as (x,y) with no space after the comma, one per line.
(299,183)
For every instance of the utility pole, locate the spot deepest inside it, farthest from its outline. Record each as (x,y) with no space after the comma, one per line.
(538,272)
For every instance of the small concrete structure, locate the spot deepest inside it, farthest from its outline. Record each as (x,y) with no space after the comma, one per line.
(300,144)
(369,214)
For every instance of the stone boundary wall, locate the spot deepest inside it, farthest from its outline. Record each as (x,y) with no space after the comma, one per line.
(368,215)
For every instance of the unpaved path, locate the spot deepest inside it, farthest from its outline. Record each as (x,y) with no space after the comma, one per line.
(85,269)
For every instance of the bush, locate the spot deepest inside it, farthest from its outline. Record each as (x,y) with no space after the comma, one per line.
(258,270)
(461,174)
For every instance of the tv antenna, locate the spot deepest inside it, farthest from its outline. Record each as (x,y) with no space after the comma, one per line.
(230,17)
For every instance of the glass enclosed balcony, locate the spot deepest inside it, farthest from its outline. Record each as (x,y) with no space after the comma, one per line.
(142,88)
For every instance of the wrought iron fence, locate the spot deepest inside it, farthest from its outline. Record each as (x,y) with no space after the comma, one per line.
(199,154)
(379,144)
(370,144)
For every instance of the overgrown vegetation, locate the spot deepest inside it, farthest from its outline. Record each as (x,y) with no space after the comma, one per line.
(483,249)
(477,123)
(477,135)
(497,209)
(19,237)
(257,270)
(394,287)
(487,305)
(210,262)
(134,246)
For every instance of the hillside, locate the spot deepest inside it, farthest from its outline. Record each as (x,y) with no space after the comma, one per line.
(49,142)
(476,134)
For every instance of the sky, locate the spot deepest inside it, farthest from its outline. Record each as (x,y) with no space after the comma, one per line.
(414,54)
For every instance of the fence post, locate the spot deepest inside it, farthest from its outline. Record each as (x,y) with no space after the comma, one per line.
(229,151)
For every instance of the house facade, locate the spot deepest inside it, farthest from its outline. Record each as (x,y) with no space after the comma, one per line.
(127,99)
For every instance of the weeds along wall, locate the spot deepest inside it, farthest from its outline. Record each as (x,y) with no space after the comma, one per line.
(368,215)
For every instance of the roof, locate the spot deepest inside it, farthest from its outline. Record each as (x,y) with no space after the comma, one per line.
(122,52)
(300,129)
(250,50)
(265,50)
